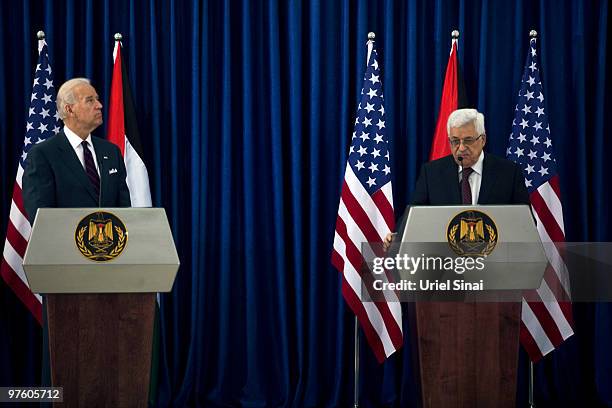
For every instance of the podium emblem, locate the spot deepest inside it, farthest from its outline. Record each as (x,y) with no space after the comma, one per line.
(101,236)
(472,233)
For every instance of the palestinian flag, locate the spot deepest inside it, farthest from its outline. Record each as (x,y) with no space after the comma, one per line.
(453,98)
(123,131)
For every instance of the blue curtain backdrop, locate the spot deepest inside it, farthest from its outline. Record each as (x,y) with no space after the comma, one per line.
(245,109)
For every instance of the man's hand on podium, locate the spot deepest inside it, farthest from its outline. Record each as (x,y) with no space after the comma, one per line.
(388,239)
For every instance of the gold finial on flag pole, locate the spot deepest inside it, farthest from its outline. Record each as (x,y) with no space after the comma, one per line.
(533,34)
(40,35)
(455,34)
(118,37)
(371,35)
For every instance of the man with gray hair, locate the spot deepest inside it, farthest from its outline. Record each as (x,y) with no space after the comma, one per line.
(468,175)
(72,168)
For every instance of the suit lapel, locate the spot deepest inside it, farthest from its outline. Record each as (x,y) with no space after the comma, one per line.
(486,181)
(101,153)
(71,161)
(451,178)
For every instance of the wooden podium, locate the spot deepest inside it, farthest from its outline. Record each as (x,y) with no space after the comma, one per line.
(100,300)
(467,351)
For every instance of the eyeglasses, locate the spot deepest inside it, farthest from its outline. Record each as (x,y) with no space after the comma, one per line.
(468,141)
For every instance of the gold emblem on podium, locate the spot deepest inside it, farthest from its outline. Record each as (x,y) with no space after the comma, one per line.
(472,233)
(101,236)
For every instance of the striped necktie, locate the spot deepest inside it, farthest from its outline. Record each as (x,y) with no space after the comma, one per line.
(90,167)
(466,191)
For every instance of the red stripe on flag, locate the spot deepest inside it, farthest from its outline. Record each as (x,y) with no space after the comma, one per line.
(529,343)
(385,208)
(554,184)
(18,199)
(547,322)
(352,253)
(356,259)
(566,308)
(337,261)
(547,218)
(554,284)
(561,296)
(359,215)
(21,290)
(17,241)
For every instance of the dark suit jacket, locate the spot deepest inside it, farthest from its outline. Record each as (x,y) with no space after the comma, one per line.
(54,177)
(502,183)
(438,184)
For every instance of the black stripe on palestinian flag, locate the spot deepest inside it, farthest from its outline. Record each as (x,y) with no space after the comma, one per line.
(129,114)
(462,99)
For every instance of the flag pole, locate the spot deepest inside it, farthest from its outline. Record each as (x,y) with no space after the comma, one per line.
(531,401)
(371,37)
(532,34)
(356,376)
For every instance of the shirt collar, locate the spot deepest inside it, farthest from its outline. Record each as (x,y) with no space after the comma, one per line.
(74,139)
(477,167)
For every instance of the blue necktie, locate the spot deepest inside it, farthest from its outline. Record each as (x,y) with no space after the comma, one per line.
(90,167)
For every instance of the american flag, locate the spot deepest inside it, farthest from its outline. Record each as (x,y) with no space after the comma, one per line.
(365,215)
(546,321)
(42,123)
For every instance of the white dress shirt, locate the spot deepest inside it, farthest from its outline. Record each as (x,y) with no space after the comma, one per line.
(475,178)
(75,141)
